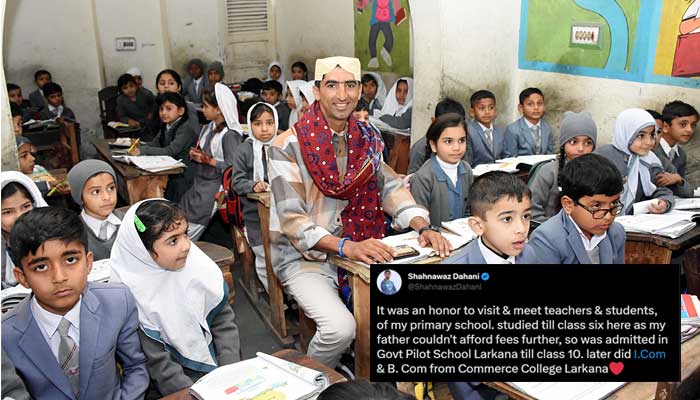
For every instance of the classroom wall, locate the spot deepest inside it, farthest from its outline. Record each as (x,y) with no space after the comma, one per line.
(9,150)
(195,29)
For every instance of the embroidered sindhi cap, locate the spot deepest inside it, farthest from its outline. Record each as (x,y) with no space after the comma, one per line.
(326,65)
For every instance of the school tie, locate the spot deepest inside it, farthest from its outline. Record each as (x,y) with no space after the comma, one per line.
(489,138)
(538,139)
(103,231)
(68,356)
(264,160)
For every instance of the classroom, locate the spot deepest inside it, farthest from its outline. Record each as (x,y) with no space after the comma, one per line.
(206,184)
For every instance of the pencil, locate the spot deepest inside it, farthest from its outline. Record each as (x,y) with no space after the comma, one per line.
(133,145)
(55,188)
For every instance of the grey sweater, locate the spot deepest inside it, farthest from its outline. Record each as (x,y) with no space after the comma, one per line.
(101,249)
(418,155)
(401,122)
(434,194)
(242,183)
(544,187)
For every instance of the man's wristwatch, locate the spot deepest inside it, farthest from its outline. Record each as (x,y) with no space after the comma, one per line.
(428,228)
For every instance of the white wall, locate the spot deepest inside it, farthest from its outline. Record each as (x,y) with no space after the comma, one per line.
(195,29)
(9,150)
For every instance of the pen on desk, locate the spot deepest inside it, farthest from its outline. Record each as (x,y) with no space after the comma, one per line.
(55,188)
(133,145)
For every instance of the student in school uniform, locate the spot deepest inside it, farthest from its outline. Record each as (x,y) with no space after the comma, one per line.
(584,231)
(275,72)
(174,138)
(373,91)
(186,326)
(14,93)
(442,184)
(70,339)
(271,93)
(55,107)
(679,122)
(36,98)
(577,136)
(398,107)
(138,79)
(216,148)
(486,140)
(418,154)
(197,82)
(93,186)
(19,195)
(215,73)
(294,101)
(169,80)
(300,72)
(26,155)
(530,134)
(134,107)
(631,154)
(250,176)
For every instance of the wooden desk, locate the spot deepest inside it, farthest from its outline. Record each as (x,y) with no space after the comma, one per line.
(134,184)
(64,133)
(399,155)
(653,249)
(223,258)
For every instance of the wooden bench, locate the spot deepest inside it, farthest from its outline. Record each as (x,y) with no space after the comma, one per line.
(223,257)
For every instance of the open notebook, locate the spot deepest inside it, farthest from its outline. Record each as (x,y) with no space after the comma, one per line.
(512,164)
(152,163)
(672,224)
(263,377)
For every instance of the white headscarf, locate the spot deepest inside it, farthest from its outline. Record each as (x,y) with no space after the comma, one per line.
(258,169)
(15,176)
(295,88)
(134,71)
(173,305)
(307,90)
(228,106)
(392,106)
(281,78)
(627,127)
(381,87)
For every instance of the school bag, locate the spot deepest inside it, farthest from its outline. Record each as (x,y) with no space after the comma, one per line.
(229,203)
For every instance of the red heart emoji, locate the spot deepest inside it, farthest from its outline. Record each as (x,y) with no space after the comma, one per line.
(616,367)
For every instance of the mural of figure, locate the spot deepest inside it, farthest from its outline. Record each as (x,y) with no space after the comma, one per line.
(384,12)
(691,19)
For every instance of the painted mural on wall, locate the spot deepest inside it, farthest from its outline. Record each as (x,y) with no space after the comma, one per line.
(382,35)
(638,40)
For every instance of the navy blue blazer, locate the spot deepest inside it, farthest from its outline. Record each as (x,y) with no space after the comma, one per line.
(478,150)
(108,327)
(546,245)
(470,254)
(519,140)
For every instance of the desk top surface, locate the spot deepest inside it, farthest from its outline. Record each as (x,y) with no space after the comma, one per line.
(688,239)
(128,171)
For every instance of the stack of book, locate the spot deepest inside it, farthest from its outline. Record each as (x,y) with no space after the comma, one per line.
(672,224)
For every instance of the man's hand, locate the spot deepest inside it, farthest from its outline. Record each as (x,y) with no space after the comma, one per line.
(261,186)
(659,207)
(370,251)
(435,240)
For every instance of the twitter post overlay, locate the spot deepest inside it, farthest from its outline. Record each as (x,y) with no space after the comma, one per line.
(579,323)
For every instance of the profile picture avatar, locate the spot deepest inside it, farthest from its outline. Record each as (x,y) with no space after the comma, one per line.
(389,282)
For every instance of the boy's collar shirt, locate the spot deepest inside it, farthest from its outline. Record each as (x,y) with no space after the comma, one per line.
(48,323)
(493,258)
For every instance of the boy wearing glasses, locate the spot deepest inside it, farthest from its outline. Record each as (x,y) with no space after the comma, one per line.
(584,231)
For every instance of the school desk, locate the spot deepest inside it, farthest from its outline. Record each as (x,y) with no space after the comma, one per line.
(400,149)
(223,258)
(134,184)
(642,248)
(62,132)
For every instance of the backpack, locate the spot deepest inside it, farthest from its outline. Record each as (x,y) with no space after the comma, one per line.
(229,203)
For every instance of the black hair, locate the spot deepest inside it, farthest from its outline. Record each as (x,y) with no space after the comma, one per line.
(259,109)
(253,85)
(401,81)
(493,186)
(677,109)
(480,95)
(362,390)
(124,79)
(15,110)
(11,87)
(654,114)
(41,72)
(442,122)
(448,105)
(33,229)
(13,187)
(158,216)
(589,175)
(369,78)
(172,73)
(529,92)
(210,97)
(300,64)
(362,106)
(51,88)
(272,85)
(175,98)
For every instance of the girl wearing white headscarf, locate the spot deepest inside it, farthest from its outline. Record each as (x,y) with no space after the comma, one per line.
(250,175)
(398,113)
(19,195)
(280,78)
(631,153)
(187,327)
(294,100)
(379,98)
(214,152)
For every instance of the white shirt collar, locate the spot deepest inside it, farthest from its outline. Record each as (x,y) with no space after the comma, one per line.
(530,124)
(49,321)
(168,126)
(59,109)
(668,149)
(95,224)
(594,240)
(483,127)
(451,170)
(198,81)
(493,258)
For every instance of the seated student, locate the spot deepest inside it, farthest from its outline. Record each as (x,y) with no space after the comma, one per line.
(361,113)
(418,154)
(294,102)
(530,134)
(36,98)
(584,231)
(500,208)
(631,154)
(215,73)
(19,195)
(17,118)
(26,155)
(270,93)
(13,387)
(300,72)
(486,140)
(250,176)
(134,107)
(187,327)
(216,149)
(679,122)
(442,184)
(578,136)
(14,92)
(93,186)
(169,80)
(174,139)
(55,107)
(138,79)
(71,338)
(398,107)
(275,72)
(197,82)
(373,91)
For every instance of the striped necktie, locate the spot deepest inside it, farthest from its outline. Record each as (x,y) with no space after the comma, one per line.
(538,138)
(68,356)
